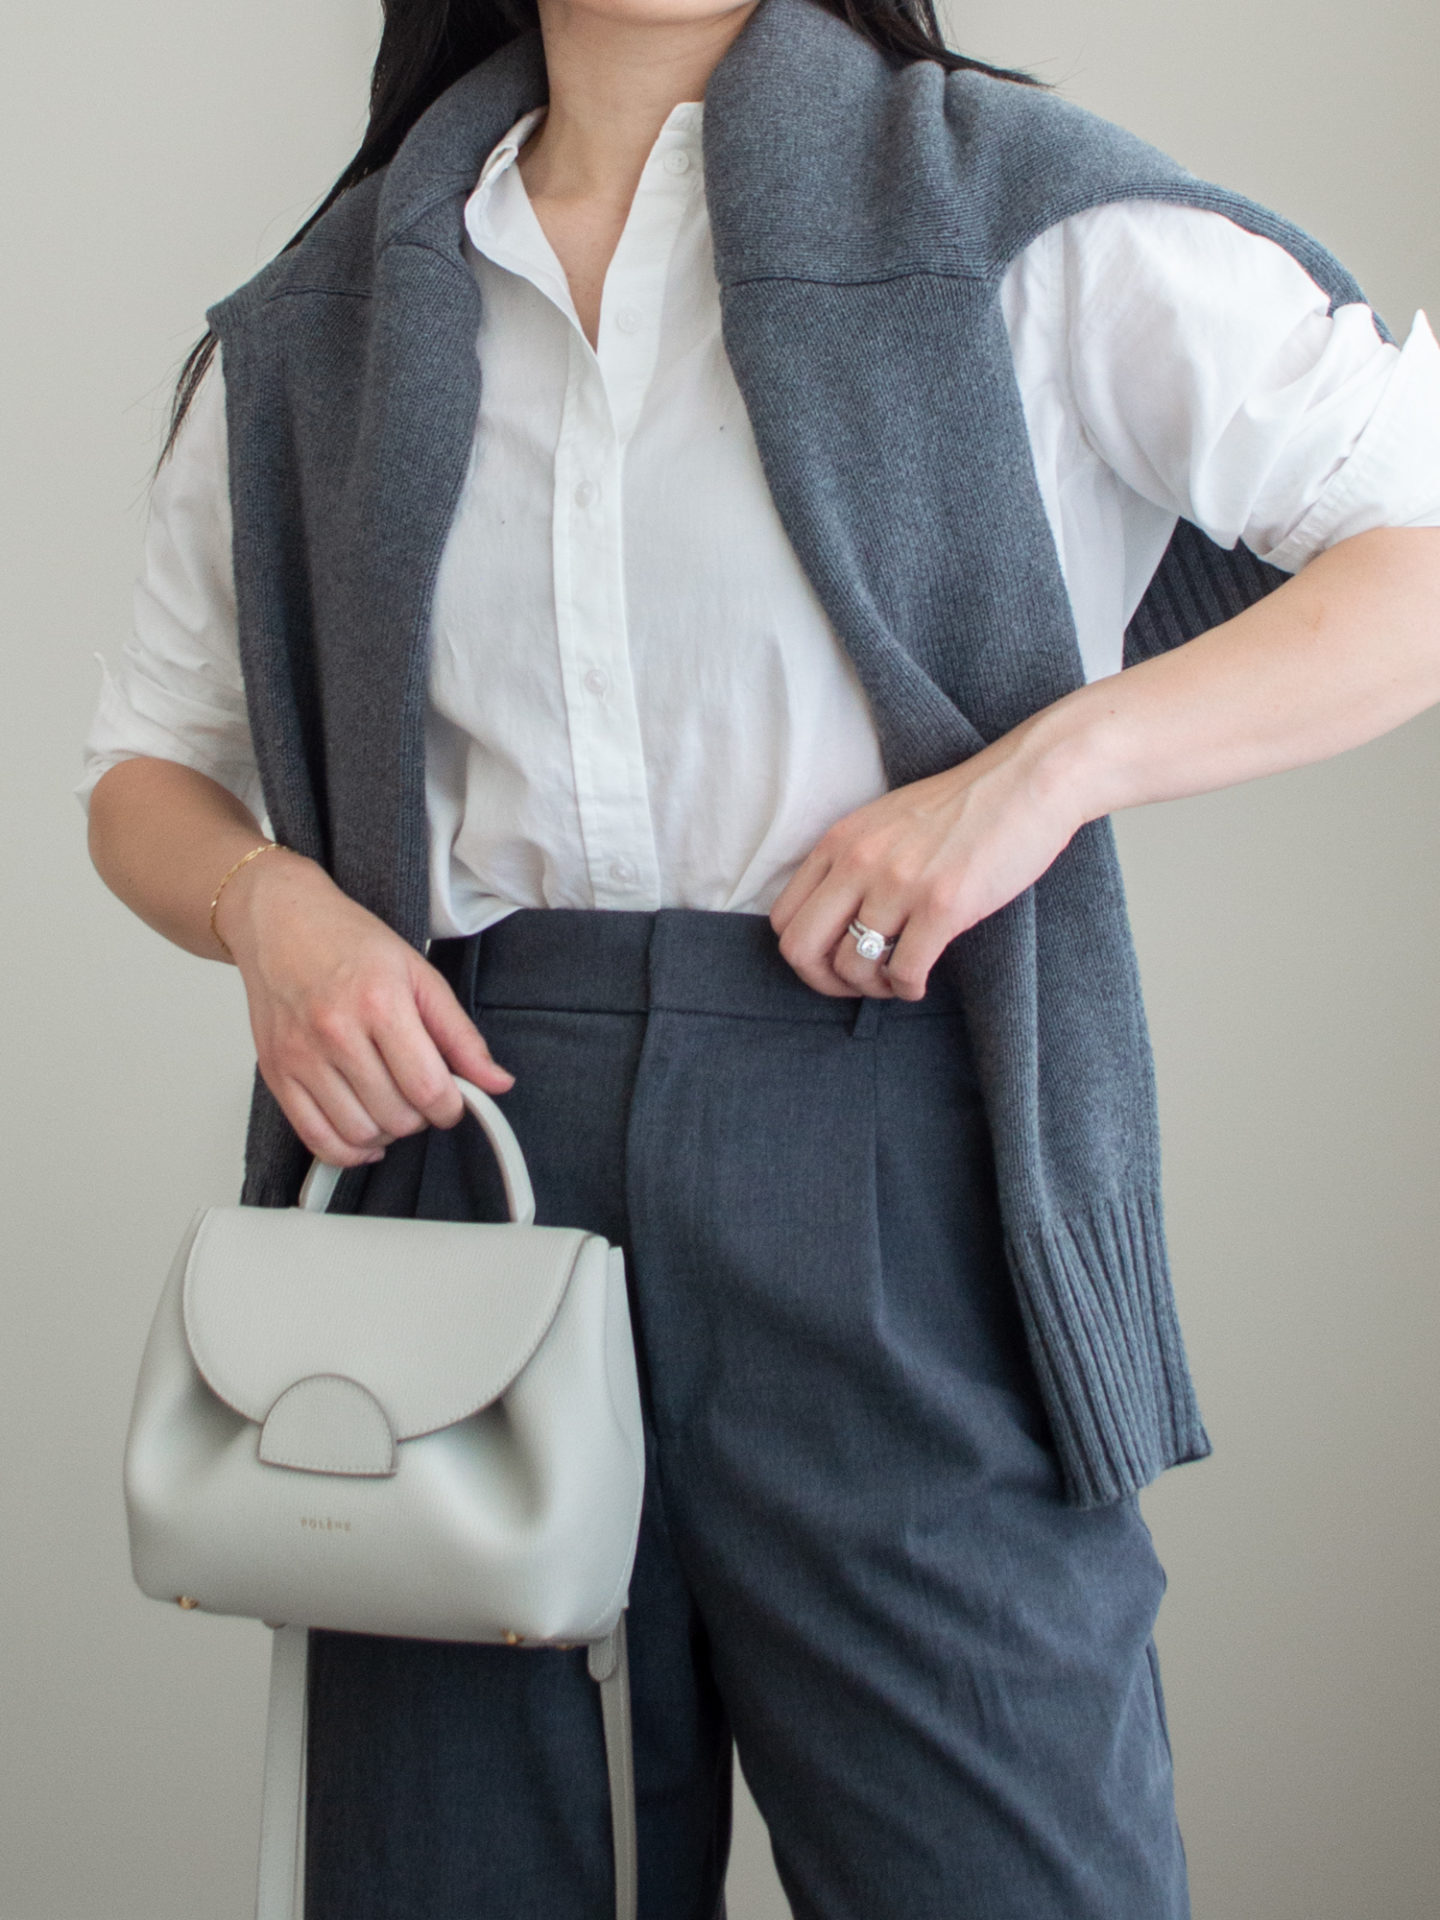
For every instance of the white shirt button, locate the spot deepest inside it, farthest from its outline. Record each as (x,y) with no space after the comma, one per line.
(622,871)
(586,494)
(677,162)
(597,680)
(627,320)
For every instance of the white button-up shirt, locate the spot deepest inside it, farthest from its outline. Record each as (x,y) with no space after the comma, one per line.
(635,699)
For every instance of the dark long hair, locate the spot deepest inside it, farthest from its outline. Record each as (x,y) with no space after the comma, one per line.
(425,45)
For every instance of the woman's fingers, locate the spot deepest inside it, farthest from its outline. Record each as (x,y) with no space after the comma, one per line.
(457,1041)
(423,1074)
(804,916)
(921,865)
(815,935)
(419,1073)
(393,1073)
(366,1068)
(801,884)
(921,927)
(816,964)
(350,1112)
(924,937)
(870,977)
(315,1130)
(360,1069)
(370,1091)
(357,1035)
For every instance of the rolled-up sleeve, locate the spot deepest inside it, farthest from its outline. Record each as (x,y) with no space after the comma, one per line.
(1389,475)
(1212,377)
(177,693)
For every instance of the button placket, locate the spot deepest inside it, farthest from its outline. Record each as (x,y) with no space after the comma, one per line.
(635,284)
(607,752)
(604,393)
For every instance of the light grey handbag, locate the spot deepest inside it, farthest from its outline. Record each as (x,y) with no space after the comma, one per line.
(411,1427)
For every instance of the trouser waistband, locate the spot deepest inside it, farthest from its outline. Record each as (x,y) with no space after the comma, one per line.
(681,959)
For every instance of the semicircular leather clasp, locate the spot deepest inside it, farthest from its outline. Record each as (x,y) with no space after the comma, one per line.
(328,1423)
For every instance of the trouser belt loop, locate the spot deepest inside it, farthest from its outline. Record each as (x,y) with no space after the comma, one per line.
(867,1018)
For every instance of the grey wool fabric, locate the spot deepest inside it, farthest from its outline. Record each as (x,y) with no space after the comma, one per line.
(863,215)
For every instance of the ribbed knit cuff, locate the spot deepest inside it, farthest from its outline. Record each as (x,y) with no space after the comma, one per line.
(1095,1293)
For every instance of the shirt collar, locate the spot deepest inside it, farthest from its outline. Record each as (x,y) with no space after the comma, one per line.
(505,151)
(682,130)
(500,221)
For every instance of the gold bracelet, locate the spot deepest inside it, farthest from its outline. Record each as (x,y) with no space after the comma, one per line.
(266,846)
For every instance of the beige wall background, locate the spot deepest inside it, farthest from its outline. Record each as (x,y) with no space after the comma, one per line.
(153,155)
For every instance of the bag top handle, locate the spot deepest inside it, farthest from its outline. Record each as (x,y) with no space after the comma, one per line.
(321,1181)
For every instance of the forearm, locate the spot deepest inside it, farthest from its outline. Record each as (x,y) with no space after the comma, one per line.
(162,836)
(1340,654)
(1347,649)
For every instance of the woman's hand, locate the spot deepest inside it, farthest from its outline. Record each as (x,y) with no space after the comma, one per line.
(356,1035)
(925,862)
(1339,654)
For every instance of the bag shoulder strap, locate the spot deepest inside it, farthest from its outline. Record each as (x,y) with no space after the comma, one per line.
(609,1663)
(280,1889)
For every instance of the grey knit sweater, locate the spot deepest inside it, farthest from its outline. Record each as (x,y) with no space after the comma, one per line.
(863,217)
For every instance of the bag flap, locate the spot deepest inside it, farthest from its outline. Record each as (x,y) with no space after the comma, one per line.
(435,1318)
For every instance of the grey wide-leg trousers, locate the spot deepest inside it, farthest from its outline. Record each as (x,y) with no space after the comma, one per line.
(855,1559)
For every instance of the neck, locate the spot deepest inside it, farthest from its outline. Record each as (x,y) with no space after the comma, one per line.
(613,83)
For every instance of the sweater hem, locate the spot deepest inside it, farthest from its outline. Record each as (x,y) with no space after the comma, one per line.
(1099,1313)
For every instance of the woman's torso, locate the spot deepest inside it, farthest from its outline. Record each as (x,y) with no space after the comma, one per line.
(635,697)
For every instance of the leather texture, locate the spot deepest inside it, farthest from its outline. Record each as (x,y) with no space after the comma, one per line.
(328,1424)
(514,1505)
(436,1318)
(408,1427)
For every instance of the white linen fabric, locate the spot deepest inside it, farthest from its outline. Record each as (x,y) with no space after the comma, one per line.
(635,699)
